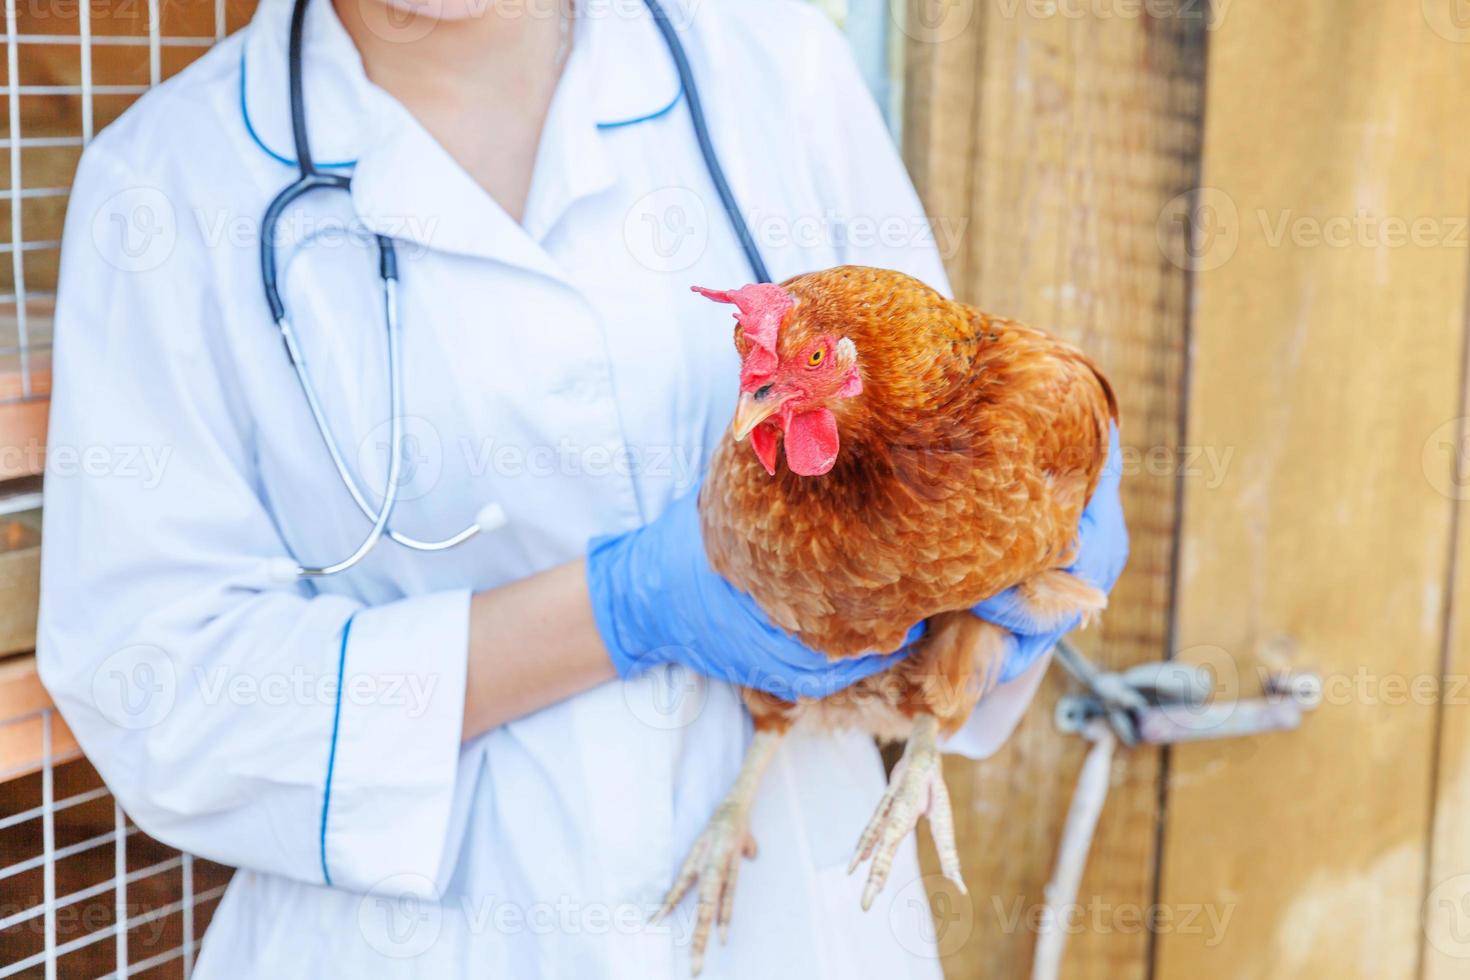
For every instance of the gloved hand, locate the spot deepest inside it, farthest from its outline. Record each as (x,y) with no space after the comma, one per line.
(656,600)
(1102,551)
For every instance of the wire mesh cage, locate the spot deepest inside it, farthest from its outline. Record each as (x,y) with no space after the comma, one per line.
(83,892)
(71,67)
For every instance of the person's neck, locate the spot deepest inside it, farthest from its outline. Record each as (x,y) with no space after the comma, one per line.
(492,53)
(481,85)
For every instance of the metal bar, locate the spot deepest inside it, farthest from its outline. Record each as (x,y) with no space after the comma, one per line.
(155,71)
(70,801)
(33,294)
(91,891)
(120,877)
(42,141)
(188,924)
(48,840)
(84,20)
(65,852)
(84,25)
(17,90)
(143,966)
(24,246)
(17,232)
(10,969)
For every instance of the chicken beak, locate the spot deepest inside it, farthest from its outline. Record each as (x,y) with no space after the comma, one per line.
(752,410)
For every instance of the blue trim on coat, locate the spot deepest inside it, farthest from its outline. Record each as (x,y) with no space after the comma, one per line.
(617,124)
(332,751)
(250,128)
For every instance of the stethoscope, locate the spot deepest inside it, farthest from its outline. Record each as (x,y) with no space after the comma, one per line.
(491,516)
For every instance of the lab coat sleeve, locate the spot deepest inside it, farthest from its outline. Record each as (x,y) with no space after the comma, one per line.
(883,224)
(234,714)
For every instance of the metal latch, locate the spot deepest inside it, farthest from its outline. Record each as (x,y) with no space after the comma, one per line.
(1164,703)
(1151,704)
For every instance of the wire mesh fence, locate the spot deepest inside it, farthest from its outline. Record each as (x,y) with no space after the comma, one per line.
(84,892)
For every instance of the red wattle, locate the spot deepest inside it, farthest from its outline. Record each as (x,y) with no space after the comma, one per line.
(763,440)
(811,442)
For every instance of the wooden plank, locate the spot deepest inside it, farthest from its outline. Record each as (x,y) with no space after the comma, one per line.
(22,698)
(1062,138)
(20,583)
(1327,351)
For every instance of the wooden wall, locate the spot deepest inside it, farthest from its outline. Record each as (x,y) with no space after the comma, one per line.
(1254,216)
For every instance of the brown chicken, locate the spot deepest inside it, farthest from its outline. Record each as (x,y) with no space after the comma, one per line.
(935,456)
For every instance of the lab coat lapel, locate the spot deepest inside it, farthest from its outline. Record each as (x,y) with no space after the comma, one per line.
(341,104)
(620,74)
(407,187)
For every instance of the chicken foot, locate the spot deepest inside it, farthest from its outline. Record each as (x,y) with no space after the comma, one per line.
(714,860)
(916,787)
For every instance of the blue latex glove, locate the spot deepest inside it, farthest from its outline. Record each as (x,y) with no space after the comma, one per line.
(656,601)
(1102,551)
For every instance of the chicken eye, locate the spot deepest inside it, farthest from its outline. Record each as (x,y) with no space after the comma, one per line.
(815,358)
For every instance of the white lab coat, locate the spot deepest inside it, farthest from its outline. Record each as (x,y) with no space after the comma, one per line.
(559,368)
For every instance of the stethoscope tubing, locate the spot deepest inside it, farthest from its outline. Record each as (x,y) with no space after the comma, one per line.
(310,180)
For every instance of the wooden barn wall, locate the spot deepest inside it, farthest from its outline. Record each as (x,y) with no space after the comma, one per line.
(1289,340)
(1328,347)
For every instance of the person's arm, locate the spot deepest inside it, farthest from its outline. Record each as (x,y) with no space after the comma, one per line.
(254,721)
(532,643)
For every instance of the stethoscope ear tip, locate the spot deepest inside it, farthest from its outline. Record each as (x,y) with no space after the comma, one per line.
(491,517)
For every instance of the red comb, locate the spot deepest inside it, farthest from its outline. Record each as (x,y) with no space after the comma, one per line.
(762,307)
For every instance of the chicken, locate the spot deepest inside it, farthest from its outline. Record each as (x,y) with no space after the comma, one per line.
(934,456)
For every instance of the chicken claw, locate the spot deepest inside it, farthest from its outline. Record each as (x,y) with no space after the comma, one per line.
(915,788)
(714,860)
